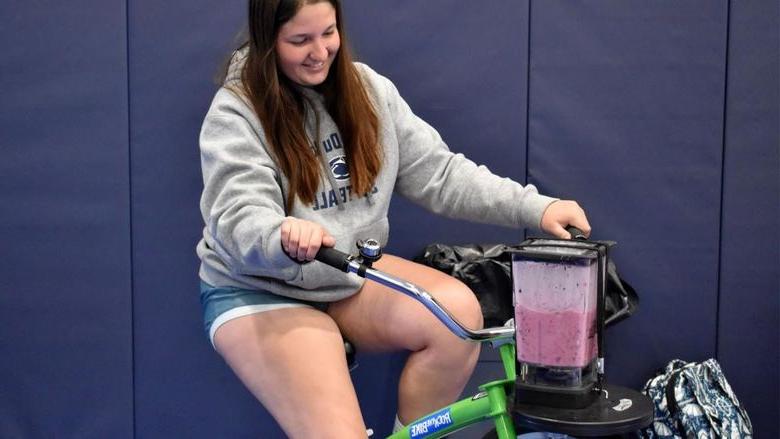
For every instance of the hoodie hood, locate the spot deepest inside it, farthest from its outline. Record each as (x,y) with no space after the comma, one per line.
(236,65)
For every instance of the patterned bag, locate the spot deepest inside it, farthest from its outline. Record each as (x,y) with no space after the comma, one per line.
(694,401)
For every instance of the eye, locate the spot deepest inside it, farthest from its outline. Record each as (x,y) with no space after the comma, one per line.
(331,30)
(298,42)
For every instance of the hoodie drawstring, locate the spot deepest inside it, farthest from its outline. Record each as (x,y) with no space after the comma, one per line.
(314,133)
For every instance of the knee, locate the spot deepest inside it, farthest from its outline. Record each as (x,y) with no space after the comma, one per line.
(462,303)
(448,350)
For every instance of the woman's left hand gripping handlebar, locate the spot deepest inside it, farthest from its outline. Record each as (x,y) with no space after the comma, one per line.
(301,239)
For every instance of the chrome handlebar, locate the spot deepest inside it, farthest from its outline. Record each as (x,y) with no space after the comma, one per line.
(357,265)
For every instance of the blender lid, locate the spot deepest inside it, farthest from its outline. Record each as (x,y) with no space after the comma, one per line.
(560,250)
(554,253)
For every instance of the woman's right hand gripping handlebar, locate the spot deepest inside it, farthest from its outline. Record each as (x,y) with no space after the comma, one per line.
(301,239)
(562,213)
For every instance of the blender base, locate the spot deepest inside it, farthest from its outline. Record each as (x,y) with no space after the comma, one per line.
(621,410)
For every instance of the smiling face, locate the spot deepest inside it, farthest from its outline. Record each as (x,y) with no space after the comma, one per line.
(307,44)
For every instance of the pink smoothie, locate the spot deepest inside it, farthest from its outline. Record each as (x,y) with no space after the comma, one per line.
(556,338)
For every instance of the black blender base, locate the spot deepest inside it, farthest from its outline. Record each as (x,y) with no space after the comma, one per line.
(619,410)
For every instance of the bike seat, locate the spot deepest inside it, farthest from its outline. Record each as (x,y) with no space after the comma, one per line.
(349,348)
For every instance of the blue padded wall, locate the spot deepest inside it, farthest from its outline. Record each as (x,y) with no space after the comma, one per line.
(748,329)
(65,320)
(625,115)
(464,72)
(183,389)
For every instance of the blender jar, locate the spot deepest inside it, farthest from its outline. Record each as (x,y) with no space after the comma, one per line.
(556,300)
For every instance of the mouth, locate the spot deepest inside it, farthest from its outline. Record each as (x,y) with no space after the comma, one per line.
(315,66)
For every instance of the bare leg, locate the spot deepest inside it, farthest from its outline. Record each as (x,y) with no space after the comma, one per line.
(293,362)
(380,319)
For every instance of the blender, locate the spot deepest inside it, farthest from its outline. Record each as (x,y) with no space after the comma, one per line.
(559,290)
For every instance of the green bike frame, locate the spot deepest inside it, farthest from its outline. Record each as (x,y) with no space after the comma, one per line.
(490,403)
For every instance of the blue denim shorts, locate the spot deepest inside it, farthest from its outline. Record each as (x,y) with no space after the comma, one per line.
(222,304)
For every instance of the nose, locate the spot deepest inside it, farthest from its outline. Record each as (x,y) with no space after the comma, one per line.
(320,50)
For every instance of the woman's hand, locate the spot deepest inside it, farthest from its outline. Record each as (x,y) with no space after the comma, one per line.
(563,213)
(302,239)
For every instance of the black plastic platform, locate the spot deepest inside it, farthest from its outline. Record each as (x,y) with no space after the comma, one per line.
(624,410)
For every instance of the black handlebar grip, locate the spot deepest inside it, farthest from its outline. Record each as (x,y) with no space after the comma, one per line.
(576,233)
(335,258)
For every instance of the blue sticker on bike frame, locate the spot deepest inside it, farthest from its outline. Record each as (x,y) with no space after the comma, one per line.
(431,424)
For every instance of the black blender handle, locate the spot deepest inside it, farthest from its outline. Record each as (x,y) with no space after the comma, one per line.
(576,233)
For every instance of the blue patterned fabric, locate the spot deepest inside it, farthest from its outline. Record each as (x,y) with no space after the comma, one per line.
(694,401)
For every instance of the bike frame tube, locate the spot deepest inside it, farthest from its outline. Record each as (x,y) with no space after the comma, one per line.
(497,393)
(490,403)
(507,352)
(455,417)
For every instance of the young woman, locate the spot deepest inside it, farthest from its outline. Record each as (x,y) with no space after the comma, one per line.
(303,148)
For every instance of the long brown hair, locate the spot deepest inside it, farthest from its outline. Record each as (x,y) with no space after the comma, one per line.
(280,106)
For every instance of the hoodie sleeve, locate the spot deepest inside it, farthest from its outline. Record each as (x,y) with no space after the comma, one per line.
(450,184)
(242,202)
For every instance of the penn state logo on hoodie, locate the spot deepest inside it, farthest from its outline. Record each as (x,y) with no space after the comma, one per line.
(339,168)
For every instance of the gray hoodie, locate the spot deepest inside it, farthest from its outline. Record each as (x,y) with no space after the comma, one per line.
(243,201)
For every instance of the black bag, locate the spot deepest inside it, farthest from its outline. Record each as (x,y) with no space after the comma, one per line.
(486,269)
